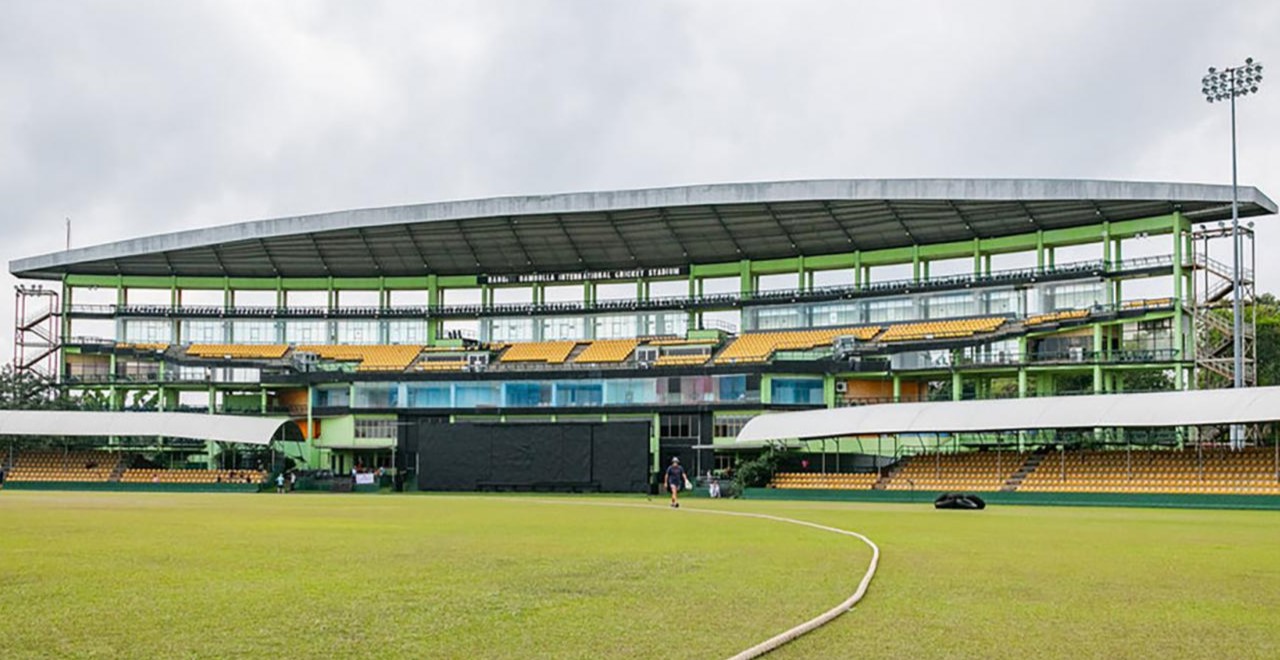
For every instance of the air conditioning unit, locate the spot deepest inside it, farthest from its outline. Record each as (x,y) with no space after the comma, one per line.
(842,386)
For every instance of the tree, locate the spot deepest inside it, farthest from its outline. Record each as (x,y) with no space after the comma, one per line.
(24,390)
(1267,340)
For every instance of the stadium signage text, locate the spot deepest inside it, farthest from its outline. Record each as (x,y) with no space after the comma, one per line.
(626,274)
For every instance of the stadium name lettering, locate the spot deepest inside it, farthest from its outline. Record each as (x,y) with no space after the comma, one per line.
(628,274)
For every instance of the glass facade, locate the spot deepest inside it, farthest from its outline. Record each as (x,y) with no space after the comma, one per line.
(254,332)
(204,332)
(1075,296)
(796,391)
(673,390)
(358,332)
(306,332)
(406,332)
(147,331)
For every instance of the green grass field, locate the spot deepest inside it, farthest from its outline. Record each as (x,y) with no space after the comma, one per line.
(159,575)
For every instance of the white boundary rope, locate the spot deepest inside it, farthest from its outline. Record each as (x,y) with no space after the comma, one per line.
(795,632)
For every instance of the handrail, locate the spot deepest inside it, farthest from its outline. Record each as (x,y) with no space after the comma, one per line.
(816,294)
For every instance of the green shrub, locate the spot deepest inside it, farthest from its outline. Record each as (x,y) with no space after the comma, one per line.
(759,471)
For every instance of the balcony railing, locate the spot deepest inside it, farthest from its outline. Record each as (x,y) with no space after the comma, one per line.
(710,301)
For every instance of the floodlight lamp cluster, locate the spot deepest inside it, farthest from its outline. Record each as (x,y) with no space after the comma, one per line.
(1232,82)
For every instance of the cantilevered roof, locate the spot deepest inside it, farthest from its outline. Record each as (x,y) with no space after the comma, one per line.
(1146,410)
(196,426)
(630,229)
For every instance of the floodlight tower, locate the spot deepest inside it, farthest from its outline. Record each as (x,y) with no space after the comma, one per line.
(1226,85)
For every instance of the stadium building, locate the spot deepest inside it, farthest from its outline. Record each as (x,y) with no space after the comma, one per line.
(580,340)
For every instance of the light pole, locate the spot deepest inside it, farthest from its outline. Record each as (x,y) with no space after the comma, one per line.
(1226,85)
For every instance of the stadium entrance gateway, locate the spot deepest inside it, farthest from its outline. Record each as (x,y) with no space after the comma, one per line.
(690,311)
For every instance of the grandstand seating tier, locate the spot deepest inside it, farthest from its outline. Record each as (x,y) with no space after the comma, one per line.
(550,352)
(682,360)
(758,346)
(604,351)
(945,329)
(174,476)
(79,465)
(394,357)
(239,351)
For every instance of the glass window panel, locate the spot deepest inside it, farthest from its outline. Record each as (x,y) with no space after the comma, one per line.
(429,395)
(306,332)
(471,395)
(797,391)
(527,394)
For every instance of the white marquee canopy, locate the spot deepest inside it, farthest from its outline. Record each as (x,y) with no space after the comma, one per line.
(197,426)
(1145,410)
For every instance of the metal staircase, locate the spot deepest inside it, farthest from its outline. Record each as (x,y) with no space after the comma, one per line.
(1211,300)
(36,331)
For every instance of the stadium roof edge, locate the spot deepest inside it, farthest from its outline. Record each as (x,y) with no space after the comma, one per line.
(1133,410)
(643,228)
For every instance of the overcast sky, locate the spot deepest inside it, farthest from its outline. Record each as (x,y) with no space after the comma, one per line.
(139,117)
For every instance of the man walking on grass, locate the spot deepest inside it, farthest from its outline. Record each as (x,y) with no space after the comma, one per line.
(675,479)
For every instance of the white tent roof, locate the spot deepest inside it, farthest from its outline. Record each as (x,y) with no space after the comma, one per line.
(1190,408)
(222,428)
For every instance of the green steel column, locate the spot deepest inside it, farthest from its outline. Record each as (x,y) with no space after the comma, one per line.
(829,390)
(800,274)
(1098,356)
(1118,257)
(64,324)
(957,386)
(766,388)
(433,301)
(1022,382)
(897,388)
(857,269)
(977,256)
(262,401)
(691,317)
(746,283)
(1106,244)
(986,264)
(228,300)
(655,441)
(309,436)
(915,263)
(1179,345)
(1040,249)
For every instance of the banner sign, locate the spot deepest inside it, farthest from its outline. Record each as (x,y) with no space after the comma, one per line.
(625,274)
(364,478)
